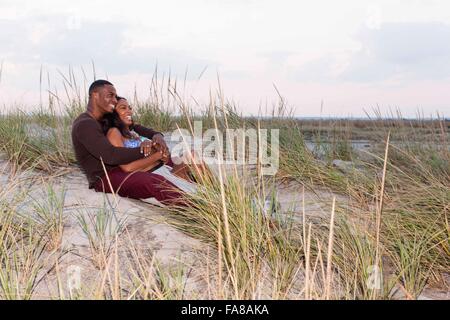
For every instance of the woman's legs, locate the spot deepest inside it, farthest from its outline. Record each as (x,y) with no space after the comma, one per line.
(182,170)
(188,169)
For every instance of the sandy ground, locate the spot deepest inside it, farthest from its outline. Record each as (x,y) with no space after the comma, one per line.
(146,228)
(148,231)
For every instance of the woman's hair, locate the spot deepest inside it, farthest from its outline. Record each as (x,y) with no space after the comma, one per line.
(112,120)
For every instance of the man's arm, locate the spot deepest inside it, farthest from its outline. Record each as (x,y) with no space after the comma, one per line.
(90,135)
(145,132)
(157,137)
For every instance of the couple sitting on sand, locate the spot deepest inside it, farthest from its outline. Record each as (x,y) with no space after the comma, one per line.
(120,156)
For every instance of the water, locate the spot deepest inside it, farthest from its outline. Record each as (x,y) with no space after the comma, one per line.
(355,144)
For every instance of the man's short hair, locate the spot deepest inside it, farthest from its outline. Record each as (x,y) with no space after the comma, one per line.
(98,84)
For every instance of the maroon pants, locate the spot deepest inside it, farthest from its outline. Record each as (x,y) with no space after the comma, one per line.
(140,185)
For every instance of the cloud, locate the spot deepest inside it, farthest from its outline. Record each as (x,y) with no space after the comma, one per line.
(412,50)
(401,51)
(67,40)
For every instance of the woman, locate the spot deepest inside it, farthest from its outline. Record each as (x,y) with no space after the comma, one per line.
(118,127)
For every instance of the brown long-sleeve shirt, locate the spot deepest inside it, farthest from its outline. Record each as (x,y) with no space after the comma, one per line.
(91,145)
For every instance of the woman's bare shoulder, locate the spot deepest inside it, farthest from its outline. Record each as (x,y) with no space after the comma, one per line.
(113,133)
(115,137)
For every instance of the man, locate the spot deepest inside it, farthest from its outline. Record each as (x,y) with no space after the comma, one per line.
(100,160)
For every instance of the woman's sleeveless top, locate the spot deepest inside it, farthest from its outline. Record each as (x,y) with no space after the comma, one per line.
(135,142)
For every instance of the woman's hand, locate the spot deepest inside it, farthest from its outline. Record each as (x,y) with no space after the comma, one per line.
(146,147)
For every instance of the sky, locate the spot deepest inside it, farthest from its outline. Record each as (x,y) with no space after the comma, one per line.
(325,58)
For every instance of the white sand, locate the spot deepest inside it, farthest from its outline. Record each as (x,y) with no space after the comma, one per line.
(148,231)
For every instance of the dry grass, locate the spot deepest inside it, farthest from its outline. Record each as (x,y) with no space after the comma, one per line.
(392,234)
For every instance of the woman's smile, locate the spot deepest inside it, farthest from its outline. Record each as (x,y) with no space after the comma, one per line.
(124,111)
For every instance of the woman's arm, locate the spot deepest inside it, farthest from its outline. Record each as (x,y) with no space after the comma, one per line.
(115,138)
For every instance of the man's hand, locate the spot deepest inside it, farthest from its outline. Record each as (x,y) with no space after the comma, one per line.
(165,157)
(159,143)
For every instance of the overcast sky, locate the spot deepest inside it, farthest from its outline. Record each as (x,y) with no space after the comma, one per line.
(353,55)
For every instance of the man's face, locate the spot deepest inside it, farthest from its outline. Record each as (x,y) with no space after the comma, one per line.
(105,98)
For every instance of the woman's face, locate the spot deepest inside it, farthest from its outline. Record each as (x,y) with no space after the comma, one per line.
(124,111)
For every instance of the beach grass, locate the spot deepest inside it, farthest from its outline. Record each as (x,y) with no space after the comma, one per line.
(384,235)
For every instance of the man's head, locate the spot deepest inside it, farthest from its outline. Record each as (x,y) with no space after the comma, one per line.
(102,96)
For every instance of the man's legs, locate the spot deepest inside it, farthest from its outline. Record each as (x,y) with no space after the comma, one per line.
(140,185)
